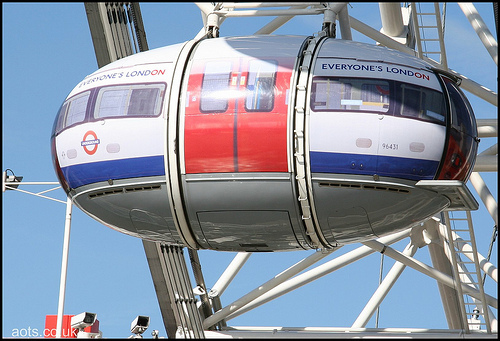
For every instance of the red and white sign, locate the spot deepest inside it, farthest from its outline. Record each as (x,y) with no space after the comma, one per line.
(90,142)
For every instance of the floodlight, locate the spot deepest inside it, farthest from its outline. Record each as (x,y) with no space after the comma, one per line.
(8,181)
(83,320)
(139,325)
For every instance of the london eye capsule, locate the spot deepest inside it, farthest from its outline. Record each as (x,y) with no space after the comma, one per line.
(270,143)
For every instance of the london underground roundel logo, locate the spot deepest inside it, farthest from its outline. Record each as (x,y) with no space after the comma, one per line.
(90,142)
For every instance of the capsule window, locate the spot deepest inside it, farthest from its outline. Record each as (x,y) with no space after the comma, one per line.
(375,96)
(72,111)
(458,160)
(260,85)
(330,94)
(462,118)
(422,103)
(215,87)
(350,94)
(143,102)
(129,100)
(378,96)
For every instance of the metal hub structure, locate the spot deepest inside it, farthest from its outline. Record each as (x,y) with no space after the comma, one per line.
(194,307)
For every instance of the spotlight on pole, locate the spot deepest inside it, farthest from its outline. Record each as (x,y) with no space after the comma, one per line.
(9,181)
(84,320)
(139,326)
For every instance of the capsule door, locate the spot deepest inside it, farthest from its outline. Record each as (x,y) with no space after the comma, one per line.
(236,117)
(237,187)
(209,118)
(261,126)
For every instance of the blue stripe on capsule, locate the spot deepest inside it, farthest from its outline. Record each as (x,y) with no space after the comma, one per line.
(395,167)
(87,173)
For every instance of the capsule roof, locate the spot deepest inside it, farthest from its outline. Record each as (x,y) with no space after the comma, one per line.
(367,52)
(264,45)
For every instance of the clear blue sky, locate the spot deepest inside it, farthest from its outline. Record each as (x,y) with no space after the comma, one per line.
(46,50)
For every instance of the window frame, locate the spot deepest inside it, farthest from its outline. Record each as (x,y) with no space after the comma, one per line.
(249,94)
(92,102)
(157,108)
(395,96)
(350,81)
(62,118)
(204,86)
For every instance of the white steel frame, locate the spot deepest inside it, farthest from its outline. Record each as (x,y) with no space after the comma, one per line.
(431,234)
(13,185)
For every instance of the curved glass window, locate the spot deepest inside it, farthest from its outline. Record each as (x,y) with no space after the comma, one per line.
(129,100)
(350,94)
(462,146)
(462,117)
(422,103)
(72,111)
(260,85)
(215,87)
(380,96)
